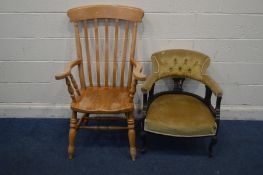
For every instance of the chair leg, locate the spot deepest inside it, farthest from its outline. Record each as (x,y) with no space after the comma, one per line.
(85,118)
(212,143)
(131,135)
(72,134)
(143,138)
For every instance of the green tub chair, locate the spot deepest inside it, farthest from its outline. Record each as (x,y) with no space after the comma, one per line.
(178,113)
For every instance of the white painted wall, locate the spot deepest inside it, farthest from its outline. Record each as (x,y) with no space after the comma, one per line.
(36,40)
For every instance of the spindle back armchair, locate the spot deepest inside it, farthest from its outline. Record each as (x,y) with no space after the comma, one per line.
(96,96)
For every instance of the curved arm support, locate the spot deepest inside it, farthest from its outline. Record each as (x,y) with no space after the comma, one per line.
(67,69)
(207,80)
(137,71)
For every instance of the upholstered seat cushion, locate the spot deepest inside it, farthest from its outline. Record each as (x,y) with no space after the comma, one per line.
(103,100)
(180,115)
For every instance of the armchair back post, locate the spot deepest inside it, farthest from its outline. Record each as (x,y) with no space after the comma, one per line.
(208,94)
(134,34)
(79,56)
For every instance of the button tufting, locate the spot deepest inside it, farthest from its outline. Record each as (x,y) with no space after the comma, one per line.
(180,68)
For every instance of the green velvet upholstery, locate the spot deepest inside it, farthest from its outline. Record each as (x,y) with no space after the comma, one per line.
(181,63)
(179,115)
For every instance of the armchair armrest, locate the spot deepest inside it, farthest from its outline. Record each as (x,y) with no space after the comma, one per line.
(67,69)
(147,85)
(207,80)
(137,71)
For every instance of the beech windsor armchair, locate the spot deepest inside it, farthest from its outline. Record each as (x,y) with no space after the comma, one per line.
(110,97)
(178,113)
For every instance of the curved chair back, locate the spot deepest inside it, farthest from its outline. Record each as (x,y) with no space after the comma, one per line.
(180,63)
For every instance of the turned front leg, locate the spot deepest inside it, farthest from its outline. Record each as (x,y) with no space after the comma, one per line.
(131,135)
(72,134)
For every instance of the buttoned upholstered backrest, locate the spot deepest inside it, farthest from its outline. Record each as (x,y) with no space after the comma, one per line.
(180,63)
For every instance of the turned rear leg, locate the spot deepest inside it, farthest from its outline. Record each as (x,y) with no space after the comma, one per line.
(143,138)
(211,145)
(85,119)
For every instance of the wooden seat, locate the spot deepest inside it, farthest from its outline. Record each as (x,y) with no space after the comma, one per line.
(97,100)
(108,74)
